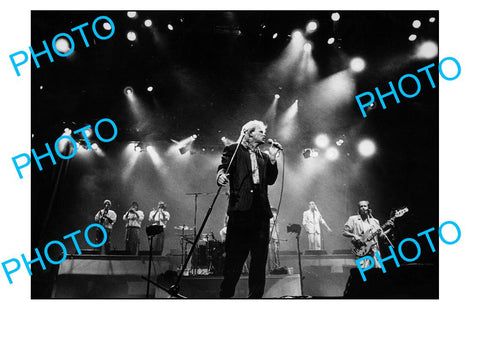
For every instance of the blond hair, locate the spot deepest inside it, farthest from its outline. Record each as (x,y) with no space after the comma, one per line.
(249,127)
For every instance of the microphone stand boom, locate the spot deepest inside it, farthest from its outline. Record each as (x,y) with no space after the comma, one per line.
(174,290)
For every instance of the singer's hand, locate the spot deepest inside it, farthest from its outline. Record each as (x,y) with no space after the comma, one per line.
(223,179)
(273,153)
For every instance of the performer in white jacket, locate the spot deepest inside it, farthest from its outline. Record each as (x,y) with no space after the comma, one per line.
(311,222)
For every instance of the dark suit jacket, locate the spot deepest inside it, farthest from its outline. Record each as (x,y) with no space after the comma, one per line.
(241,181)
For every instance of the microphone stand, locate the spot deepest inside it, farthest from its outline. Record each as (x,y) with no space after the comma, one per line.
(175,289)
(194,265)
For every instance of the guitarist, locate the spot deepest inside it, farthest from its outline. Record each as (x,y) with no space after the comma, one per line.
(357,225)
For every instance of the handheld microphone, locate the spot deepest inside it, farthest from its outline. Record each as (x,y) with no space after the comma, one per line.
(275,144)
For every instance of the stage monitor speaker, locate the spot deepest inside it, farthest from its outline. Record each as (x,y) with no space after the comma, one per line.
(412,281)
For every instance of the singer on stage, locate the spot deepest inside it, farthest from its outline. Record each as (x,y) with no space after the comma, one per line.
(106,217)
(248,208)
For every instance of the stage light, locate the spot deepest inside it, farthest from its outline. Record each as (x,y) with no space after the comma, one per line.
(416,23)
(194,136)
(183,150)
(357,64)
(81,144)
(314,153)
(150,88)
(132,36)
(95,146)
(432,19)
(331,40)
(312,26)
(132,14)
(335,16)
(366,148)
(340,142)
(227,141)
(147,23)
(297,35)
(277,96)
(128,91)
(88,132)
(139,147)
(170,27)
(307,47)
(275,35)
(107,26)
(41,87)
(412,37)
(149,148)
(62,143)
(322,140)
(332,153)
(62,45)
(427,50)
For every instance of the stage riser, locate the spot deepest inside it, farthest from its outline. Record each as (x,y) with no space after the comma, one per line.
(120,277)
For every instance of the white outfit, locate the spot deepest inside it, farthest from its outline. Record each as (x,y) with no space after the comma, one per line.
(311,223)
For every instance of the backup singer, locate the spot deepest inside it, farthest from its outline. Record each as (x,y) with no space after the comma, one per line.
(159,216)
(311,222)
(357,225)
(134,218)
(248,208)
(106,217)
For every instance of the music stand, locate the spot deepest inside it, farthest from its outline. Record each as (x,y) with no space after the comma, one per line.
(297,229)
(152,230)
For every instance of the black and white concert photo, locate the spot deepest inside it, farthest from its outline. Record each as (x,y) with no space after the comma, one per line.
(234,154)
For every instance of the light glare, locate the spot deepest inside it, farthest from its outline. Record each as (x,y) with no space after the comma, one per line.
(332,153)
(427,50)
(366,148)
(322,140)
(132,36)
(357,64)
(62,45)
(312,26)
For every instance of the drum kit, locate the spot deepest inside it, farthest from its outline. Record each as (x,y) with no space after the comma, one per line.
(208,255)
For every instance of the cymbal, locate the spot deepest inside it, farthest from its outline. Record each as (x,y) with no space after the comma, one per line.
(183,227)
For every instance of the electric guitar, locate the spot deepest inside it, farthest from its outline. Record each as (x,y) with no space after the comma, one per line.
(363,246)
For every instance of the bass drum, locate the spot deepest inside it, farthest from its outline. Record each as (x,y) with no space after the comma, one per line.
(200,257)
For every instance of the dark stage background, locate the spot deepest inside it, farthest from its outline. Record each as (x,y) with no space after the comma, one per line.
(212,73)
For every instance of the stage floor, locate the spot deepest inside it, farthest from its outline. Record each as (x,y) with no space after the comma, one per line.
(120,276)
